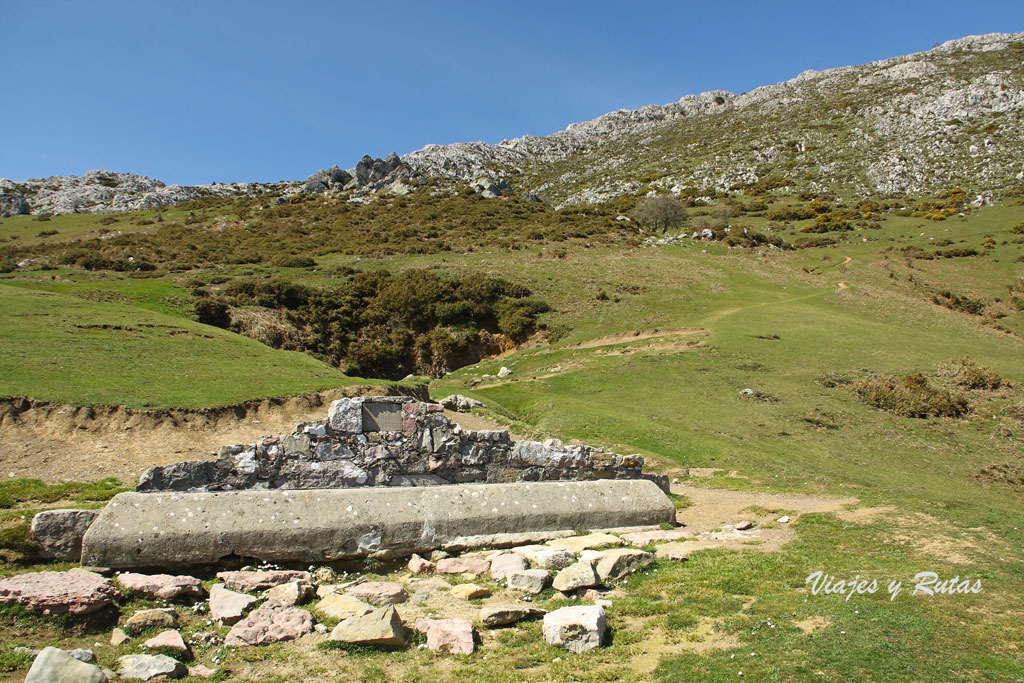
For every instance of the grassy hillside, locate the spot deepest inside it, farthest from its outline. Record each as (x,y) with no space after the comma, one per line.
(91,345)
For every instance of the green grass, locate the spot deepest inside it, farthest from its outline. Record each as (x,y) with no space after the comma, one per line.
(56,348)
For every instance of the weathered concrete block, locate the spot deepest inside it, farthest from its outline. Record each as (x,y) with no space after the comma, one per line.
(59,532)
(166,529)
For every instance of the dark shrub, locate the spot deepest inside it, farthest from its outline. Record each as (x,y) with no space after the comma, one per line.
(910,396)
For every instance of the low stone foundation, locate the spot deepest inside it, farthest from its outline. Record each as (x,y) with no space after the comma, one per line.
(390,441)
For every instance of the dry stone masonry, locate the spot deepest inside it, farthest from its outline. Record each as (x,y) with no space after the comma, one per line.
(390,441)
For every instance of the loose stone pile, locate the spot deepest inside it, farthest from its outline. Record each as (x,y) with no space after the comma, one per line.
(269,605)
(390,441)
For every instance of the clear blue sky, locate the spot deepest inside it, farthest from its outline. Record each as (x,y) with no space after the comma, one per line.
(218,90)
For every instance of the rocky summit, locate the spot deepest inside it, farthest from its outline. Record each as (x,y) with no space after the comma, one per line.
(924,122)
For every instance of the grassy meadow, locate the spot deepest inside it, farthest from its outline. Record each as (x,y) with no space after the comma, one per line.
(648,349)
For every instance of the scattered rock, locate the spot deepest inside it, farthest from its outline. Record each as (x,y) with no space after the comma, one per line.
(145,667)
(169,638)
(325,575)
(504,372)
(460,403)
(59,532)
(448,635)
(151,618)
(418,565)
(544,557)
(503,615)
(291,593)
(577,629)
(52,665)
(200,671)
(382,626)
(505,564)
(74,592)
(615,564)
(252,581)
(744,525)
(117,637)
(642,538)
(578,575)
(530,581)
(379,593)
(273,622)
(784,519)
(162,586)
(341,607)
(469,591)
(227,606)
(461,565)
(577,544)
(676,552)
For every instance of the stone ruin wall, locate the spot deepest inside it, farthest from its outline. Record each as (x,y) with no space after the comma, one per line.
(391,441)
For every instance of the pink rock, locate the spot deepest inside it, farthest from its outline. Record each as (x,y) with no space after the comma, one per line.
(379,593)
(274,621)
(75,591)
(641,538)
(162,586)
(506,564)
(200,671)
(228,606)
(418,565)
(171,639)
(743,526)
(461,565)
(249,581)
(448,635)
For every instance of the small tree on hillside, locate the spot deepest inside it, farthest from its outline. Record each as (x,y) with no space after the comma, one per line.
(662,212)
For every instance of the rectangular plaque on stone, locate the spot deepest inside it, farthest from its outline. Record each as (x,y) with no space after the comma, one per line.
(382,417)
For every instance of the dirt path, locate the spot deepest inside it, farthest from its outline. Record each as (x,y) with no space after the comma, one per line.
(715,513)
(639,335)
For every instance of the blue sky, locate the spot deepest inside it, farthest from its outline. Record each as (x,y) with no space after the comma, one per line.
(217,90)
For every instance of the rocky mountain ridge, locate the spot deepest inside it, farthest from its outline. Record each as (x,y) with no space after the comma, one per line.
(949,117)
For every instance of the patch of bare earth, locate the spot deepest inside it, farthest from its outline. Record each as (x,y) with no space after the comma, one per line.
(56,442)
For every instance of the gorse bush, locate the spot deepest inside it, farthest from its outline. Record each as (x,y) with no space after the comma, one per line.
(910,396)
(380,324)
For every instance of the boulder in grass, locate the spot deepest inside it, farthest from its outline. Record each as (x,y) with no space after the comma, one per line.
(151,618)
(379,593)
(227,606)
(255,581)
(382,626)
(52,665)
(162,586)
(146,667)
(469,591)
(613,565)
(448,635)
(503,615)
(578,575)
(292,593)
(341,607)
(170,639)
(506,564)
(418,565)
(531,581)
(576,629)
(273,622)
(70,592)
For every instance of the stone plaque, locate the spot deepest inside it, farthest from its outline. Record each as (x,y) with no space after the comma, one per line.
(382,417)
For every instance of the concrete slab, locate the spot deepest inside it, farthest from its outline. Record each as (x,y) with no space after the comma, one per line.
(320,525)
